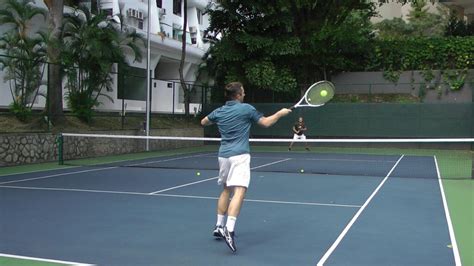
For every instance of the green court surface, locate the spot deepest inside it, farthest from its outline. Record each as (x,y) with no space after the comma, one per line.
(25,262)
(8,261)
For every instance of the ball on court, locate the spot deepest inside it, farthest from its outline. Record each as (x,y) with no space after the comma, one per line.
(198,173)
(302,171)
(324,93)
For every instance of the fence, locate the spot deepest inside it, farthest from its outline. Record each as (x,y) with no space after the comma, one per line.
(392,120)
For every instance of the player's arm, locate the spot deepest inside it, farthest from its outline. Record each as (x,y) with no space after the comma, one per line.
(206,122)
(295,130)
(268,121)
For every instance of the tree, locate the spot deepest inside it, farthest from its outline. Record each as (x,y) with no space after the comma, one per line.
(458,27)
(183,58)
(420,23)
(54,104)
(284,46)
(25,54)
(92,44)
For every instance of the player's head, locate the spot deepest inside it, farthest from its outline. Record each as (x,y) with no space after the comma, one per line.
(300,119)
(235,91)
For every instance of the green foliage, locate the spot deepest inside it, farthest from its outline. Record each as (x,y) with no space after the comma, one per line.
(81,104)
(458,27)
(418,45)
(282,45)
(25,54)
(453,55)
(420,22)
(20,111)
(92,44)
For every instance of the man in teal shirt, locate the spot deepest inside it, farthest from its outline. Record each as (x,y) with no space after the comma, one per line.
(234,120)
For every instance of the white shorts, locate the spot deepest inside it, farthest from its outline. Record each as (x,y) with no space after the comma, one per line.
(296,136)
(234,171)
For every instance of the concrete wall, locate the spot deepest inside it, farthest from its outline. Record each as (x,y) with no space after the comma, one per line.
(409,83)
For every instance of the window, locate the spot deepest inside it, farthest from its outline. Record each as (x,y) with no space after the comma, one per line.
(159,3)
(177,32)
(199,15)
(140,24)
(177,7)
(108,11)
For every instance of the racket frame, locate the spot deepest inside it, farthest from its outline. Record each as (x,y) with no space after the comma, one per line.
(304,98)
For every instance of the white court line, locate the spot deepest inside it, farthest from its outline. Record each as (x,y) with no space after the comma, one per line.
(172,159)
(92,170)
(305,203)
(457,257)
(320,159)
(356,216)
(61,174)
(180,196)
(64,167)
(204,180)
(45,260)
(265,201)
(77,190)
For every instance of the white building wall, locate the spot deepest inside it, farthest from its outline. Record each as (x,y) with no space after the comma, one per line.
(162,46)
(393,10)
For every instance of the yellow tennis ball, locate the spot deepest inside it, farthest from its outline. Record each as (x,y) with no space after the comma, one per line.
(302,170)
(198,173)
(324,93)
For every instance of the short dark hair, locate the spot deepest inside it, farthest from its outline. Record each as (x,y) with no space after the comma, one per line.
(232,90)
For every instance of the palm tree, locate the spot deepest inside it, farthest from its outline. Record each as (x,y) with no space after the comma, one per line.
(25,54)
(54,104)
(187,94)
(92,44)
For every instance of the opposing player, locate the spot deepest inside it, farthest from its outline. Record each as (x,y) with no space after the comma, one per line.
(298,132)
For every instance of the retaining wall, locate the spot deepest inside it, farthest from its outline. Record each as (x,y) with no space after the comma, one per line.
(17,149)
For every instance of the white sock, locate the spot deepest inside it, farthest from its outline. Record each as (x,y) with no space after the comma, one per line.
(230,223)
(220,220)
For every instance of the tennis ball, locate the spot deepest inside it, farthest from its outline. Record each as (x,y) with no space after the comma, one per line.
(324,93)
(198,173)
(302,170)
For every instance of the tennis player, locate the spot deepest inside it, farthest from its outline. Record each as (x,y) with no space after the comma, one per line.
(298,132)
(234,120)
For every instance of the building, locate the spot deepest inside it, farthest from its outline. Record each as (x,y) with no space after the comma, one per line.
(166,29)
(463,8)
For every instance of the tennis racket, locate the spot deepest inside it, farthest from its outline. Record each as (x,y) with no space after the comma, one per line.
(316,95)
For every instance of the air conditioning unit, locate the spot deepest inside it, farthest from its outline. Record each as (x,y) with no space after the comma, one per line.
(192,30)
(162,12)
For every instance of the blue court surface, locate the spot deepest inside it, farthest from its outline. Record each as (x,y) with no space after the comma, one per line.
(365,210)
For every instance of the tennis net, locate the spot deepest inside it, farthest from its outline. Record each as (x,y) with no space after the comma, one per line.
(403,158)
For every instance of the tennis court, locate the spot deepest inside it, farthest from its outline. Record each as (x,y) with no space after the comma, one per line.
(329,206)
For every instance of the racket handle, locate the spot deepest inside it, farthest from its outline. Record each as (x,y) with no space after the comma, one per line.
(292,108)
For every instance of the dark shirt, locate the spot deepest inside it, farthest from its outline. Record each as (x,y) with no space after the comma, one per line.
(300,128)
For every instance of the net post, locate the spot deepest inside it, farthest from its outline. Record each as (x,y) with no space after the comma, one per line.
(60,142)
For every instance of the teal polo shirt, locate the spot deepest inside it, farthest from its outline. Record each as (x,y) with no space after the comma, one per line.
(234,120)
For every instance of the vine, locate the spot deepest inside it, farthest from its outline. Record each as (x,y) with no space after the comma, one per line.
(452,56)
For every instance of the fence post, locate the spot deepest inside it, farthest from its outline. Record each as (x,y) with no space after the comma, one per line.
(370,94)
(60,143)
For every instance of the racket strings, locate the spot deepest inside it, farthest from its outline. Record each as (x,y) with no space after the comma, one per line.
(319,94)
